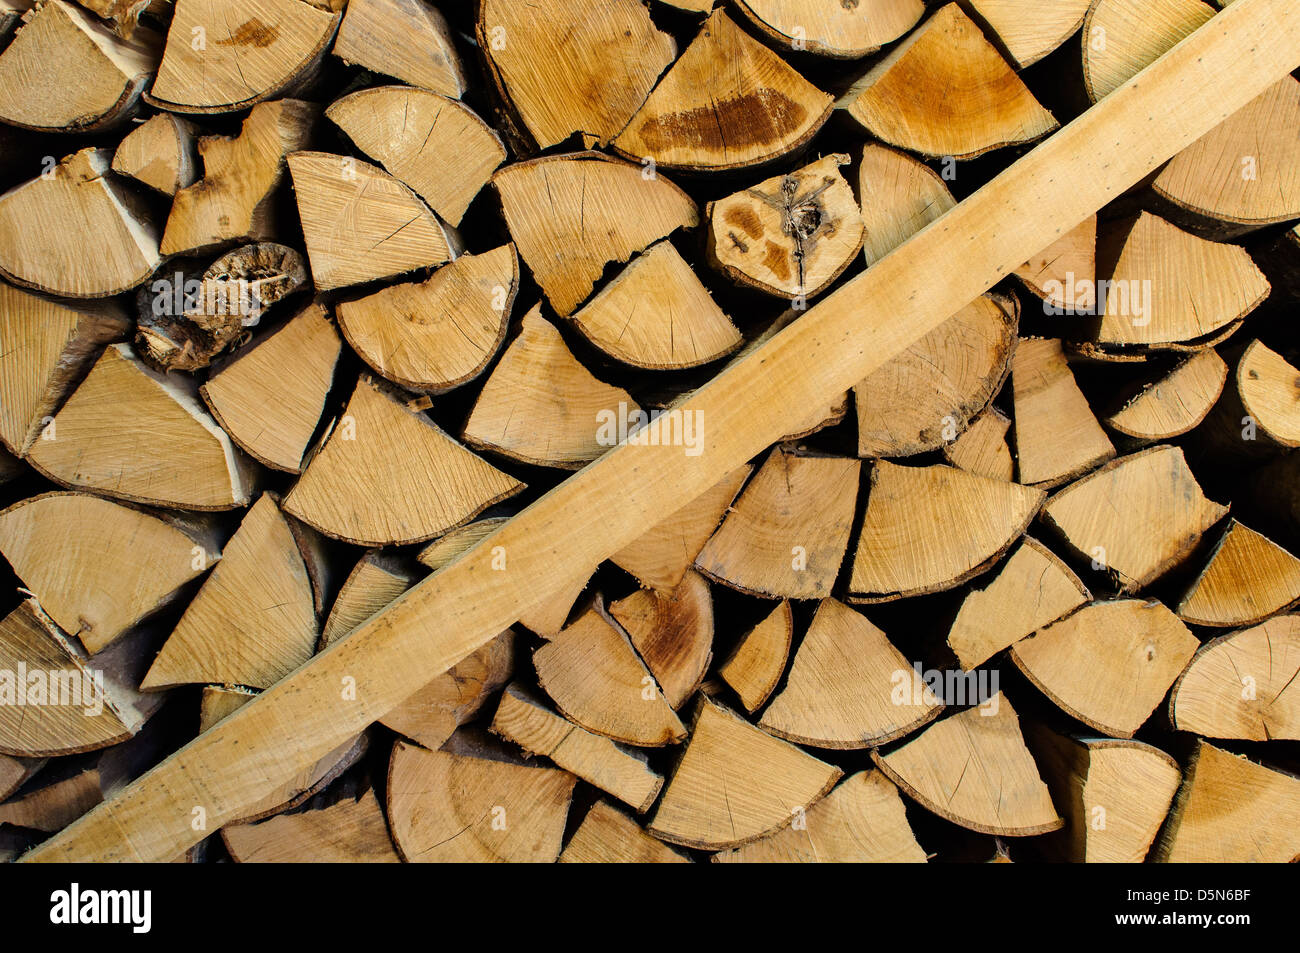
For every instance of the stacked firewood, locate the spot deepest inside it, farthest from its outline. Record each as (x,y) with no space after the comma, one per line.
(300,300)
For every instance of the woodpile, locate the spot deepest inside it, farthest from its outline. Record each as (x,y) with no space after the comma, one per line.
(649,430)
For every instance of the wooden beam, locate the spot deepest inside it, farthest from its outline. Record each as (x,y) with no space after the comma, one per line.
(753,402)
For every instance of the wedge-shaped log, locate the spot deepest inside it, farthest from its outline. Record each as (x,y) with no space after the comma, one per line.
(350,831)
(1032,589)
(97,567)
(360,223)
(1246,579)
(727,103)
(1175,403)
(406,39)
(542,406)
(388,474)
(218,640)
(946,91)
(848,687)
(656,314)
(758,662)
(1057,436)
(219,60)
(46,348)
(269,399)
(1231,810)
(521,717)
(1132,652)
(786,535)
(438,334)
(473,805)
(931,528)
(1136,518)
(78,232)
(596,679)
(899,196)
(187,461)
(1113,794)
(1004,796)
(861,821)
(159,153)
(608,836)
(1027,30)
(672,631)
(736,783)
(65,72)
(842,31)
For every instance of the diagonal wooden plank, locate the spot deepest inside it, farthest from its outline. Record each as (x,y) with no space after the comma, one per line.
(1119,141)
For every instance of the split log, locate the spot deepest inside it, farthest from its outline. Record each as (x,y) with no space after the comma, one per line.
(927,529)
(94,440)
(524,719)
(848,687)
(1114,794)
(1004,797)
(1063,274)
(1135,518)
(843,31)
(672,631)
(434,336)
(473,804)
(790,235)
(1243,685)
(727,103)
(735,784)
(99,568)
(77,232)
(926,396)
(1168,289)
(175,333)
(594,676)
(377,579)
(46,348)
(65,72)
(545,206)
(218,701)
(435,145)
(1175,403)
(899,197)
(406,39)
(1033,589)
(360,223)
(1258,412)
(1132,652)
(1242,175)
(54,699)
(945,91)
(1230,809)
(584,66)
(661,557)
(657,315)
(54,803)
(14,772)
(270,397)
(448,548)
(232,203)
(1246,578)
(541,406)
(219,640)
(861,821)
(1027,30)
(432,714)
(1057,436)
(608,836)
(548,617)
(388,475)
(216,63)
(350,831)
(758,662)
(160,153)
(1121,37)
(982,447)
(786,535)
